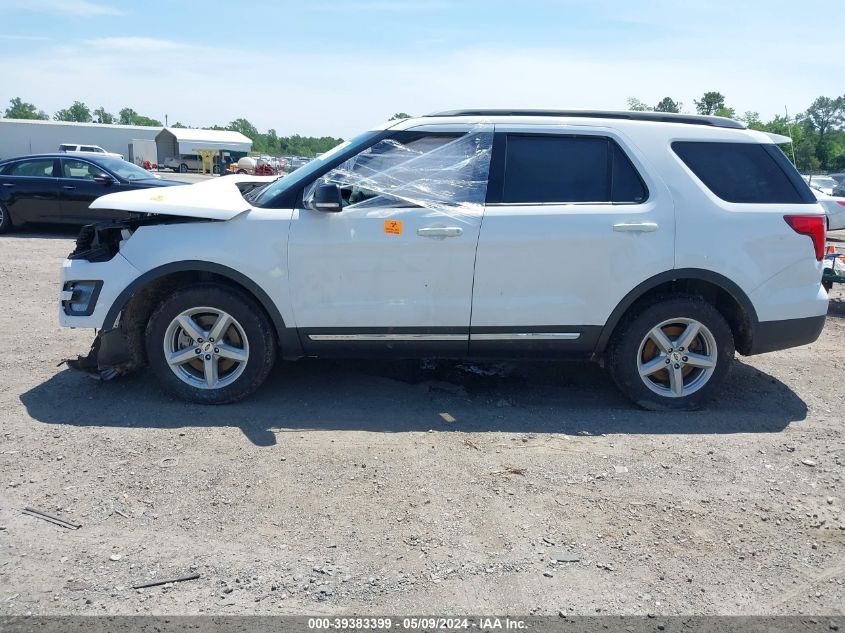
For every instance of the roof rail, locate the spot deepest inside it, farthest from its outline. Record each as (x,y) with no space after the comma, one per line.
(662,117)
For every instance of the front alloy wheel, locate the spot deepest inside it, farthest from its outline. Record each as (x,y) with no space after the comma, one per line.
(206,348)
(210,343)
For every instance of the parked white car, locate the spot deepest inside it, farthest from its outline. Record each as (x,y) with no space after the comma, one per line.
(86,149)
(659,244)
(834,208)
(825,184)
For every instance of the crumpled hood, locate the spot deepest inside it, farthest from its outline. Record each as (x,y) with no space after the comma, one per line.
(214,199)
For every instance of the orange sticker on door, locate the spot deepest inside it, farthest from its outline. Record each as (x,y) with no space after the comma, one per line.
(393,227)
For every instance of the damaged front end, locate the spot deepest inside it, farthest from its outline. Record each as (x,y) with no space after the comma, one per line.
(100,242)
(96,281)
(118,347)
(111,355)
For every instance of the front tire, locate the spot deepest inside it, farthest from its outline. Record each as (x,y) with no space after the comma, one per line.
(672,354)
(210,344)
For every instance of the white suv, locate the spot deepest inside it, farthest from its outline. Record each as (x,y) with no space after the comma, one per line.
(656,243)
(75,148)
(183,163)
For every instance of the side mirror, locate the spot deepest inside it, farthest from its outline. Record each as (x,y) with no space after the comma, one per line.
(104,179)
(327,198)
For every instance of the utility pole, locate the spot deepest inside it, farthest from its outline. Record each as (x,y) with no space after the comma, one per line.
(789,127)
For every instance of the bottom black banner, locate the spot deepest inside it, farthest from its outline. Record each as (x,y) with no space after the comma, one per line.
(477,623)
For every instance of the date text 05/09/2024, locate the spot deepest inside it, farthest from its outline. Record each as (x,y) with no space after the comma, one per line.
(482,623)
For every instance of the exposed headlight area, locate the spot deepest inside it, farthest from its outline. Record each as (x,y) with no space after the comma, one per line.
(79,298)
(101,242)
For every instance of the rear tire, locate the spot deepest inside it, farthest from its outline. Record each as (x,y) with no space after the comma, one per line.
(672,355)
(235,339)
(5,220)
(183,168)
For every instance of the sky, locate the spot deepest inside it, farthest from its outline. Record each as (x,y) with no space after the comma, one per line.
(334,68)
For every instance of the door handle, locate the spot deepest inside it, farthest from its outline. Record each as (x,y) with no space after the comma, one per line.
(440,231)
(8,184)
(636,227)
(68,187)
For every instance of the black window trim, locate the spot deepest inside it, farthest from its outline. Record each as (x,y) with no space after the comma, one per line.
(496,181)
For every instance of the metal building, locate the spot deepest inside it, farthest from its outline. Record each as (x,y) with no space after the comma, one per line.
(24,136)
(19,137)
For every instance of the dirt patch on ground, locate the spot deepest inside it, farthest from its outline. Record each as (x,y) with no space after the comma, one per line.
(376,487)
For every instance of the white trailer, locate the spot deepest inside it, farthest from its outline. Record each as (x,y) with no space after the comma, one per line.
(141,150)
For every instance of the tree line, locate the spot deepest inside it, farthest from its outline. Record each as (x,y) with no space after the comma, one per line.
(268,142)
(818,133)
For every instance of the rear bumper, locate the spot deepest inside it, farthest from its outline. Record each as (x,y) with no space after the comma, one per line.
(770,336)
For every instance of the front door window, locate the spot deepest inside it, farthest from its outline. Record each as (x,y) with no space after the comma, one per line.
(80,169)
(439,171)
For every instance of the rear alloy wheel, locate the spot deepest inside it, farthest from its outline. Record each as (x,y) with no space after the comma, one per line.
(5,220)
(210,344)
(677,357)
(672,355)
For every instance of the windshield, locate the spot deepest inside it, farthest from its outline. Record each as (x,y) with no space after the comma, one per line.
(298,176)
(125,170)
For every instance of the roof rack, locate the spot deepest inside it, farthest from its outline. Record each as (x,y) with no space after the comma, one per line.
(662,117)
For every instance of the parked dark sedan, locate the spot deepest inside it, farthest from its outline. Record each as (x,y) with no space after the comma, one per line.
(59,187)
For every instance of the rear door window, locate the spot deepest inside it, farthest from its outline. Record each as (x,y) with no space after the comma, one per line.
(744,172)
(568,169)
(33,168)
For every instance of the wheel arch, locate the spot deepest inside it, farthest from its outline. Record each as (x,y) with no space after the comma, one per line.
(13,220)
(725,294)
(140,297)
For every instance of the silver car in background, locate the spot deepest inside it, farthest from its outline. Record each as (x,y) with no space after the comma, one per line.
(834,208)
(825,184)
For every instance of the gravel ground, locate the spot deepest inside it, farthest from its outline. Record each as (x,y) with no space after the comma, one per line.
(371,487)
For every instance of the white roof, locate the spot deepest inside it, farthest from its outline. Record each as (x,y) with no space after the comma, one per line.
(213,136)
(109,126)
(191,140)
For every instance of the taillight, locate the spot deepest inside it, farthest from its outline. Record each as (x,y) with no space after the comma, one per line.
(841,203)
(812,225)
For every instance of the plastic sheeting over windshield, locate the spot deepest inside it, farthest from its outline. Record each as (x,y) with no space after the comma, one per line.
(442,172)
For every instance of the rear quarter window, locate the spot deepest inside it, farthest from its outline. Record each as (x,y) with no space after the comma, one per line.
(747,173)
